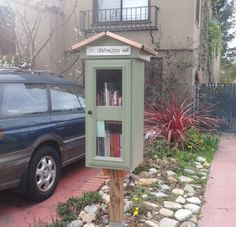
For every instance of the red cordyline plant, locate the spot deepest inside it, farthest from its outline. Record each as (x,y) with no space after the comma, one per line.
(172,119)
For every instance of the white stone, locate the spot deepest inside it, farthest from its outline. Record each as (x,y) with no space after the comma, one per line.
(165,187)
(168,222)
(172,205)
(187,224)
(89,209)
(158,194)
(194,200)
(185,179)
(183,214)
(199,166)
(88,218)
(149,215)
(206,164)
(144,196)
(150,206)
(189,171)
(152,170)
(146,182)
(76,223)
(201,159)
(178,191)
(106,198)
(194,208)
(193,218)
(189,188)
(150,224)
(128,206)
(203,173)
(170,173)
(166,212)
(89,225)
(180,200)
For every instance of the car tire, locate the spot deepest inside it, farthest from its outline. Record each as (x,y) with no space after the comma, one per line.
(44,173)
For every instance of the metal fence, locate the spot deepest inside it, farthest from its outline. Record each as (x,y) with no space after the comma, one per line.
(220,99)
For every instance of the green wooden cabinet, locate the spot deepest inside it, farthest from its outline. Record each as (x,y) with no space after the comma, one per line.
(114,92)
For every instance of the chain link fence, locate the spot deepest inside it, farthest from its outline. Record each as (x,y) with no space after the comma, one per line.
(220,100)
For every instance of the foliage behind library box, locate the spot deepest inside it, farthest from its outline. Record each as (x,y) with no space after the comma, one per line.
(172,120)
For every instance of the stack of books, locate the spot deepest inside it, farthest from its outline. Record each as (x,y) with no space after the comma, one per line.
(110,95)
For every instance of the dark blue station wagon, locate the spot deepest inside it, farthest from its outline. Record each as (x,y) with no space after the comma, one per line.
(42,129)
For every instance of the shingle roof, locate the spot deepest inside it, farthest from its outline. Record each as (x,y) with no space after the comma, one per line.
(114,36)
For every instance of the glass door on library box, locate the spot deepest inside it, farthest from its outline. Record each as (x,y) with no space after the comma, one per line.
(108,105)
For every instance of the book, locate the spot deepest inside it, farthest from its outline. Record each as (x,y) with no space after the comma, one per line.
(109,95)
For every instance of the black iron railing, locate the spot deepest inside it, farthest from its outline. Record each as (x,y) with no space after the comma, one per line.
(125,19)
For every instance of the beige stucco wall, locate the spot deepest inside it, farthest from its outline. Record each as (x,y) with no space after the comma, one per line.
(177,27)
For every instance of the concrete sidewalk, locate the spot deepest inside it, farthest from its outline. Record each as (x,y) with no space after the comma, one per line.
(220,206)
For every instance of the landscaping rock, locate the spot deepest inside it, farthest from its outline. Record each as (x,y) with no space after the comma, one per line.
(172,205)
(76,223)
(89,225)
(170,173)
(146,182)
(185,179)
(168,222)
(106,198)
(153,170)
(91,209)
(201,159)
(165,187)
(193,218)
(87,217)
(189,171)
(194,200)
(199,166)
(206,164)
(150,206)
(194,208)
(128,206)
(150,224)
(166,212)
(189,188)
(180,200)
(187,224)
(158,194)
(143,174)
(178,191)
(183,214)
(172,180)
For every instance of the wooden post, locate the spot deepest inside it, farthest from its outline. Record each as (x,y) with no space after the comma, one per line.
(116,196)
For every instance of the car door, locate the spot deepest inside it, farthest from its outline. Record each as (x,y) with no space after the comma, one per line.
(20,103)
(68,118)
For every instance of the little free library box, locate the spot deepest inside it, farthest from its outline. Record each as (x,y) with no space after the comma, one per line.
(114,92)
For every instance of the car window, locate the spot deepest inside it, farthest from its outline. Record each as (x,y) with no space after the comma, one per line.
(22,99)
(65,98)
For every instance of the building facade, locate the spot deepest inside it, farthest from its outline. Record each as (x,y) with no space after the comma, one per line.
(177,29)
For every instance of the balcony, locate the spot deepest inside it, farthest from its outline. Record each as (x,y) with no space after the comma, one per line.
(125,19)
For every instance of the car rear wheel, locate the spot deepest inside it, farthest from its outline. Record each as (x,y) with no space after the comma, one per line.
(44,173)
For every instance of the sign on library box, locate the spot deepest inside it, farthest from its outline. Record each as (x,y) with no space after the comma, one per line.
(108,50)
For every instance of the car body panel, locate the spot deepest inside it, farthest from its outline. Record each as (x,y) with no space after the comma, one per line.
(20,136)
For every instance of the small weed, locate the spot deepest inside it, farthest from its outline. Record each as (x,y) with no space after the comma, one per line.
(69,210)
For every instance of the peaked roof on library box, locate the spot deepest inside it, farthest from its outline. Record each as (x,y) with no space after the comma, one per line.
(116,37)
